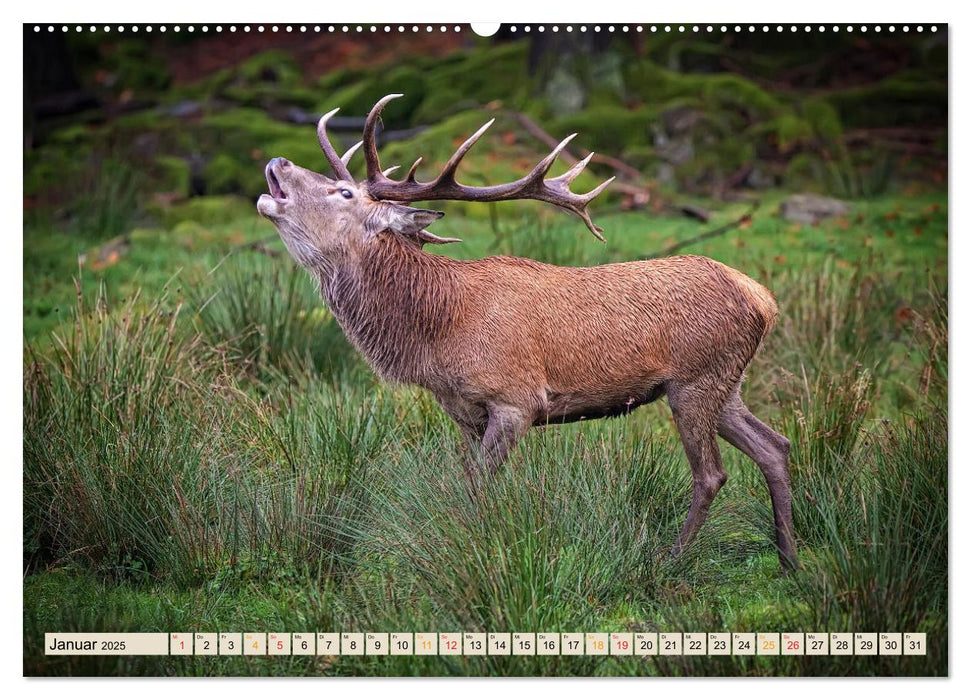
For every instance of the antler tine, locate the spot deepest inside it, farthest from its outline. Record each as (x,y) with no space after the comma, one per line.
(410,177)
(339,165)
(370,148)
(571,174)
(346,158)
(598,189)
(544,165)
(448,172)
(594,229)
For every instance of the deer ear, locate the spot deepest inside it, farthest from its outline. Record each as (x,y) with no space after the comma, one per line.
(409,221)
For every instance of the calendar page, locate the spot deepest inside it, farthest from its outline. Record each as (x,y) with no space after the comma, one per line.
(545,349)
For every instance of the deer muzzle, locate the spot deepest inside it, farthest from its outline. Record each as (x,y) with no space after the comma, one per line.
(270,205)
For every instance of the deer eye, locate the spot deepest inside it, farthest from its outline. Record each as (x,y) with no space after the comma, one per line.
(346,193)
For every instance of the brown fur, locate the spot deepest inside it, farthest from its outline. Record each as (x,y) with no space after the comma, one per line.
(507,343)
(556,341)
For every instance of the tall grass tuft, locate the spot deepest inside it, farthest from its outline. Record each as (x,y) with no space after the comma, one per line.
(833,319)
(113,437)
(146,456)
(824,423)
(883,566)
(268,316)
(304,489)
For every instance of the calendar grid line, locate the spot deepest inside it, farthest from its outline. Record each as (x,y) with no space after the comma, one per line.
(374,644)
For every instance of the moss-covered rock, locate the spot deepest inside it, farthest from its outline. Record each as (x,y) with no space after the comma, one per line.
(337,79)
(174,175)
(609,130)
(655,85)
(251,133)
(824,119)
(357,99)
(266,79)
(892,102)
(226,174)
(438,105)
(275,67)
(132,66)
(483,75)
(787,132)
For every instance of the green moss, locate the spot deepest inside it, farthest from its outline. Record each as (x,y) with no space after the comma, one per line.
(695,56)
(137,68)
(606,129)
(351,99)
(206,88)
(357,99)
(335,80)
(247,138)
(71,135)
(787,131)
(437,105)
(174,174)
(226,174)
(277,67)
(892,102)
(802,172)
(734,90)
(169,134)
(654,84)
(271,77)
(487,74)
(824,119)
(717,160)
(203,211)
(266,95)
(50,164)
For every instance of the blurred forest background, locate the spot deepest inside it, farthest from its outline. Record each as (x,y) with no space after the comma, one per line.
(203,450)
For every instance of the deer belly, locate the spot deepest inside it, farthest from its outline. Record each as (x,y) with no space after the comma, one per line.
(571,407)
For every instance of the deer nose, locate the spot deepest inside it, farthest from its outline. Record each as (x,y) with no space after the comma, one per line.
(281,163)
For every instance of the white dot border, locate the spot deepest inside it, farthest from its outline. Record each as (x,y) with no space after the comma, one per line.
(515,29)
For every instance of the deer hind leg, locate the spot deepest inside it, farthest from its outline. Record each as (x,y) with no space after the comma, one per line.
(770,451)
(696,408)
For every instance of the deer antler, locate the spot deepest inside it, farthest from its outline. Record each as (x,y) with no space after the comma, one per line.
(339,165)
(531,186)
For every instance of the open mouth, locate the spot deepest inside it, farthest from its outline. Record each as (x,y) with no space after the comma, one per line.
(276,191)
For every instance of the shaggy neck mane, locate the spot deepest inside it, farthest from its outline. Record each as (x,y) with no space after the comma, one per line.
(415,295)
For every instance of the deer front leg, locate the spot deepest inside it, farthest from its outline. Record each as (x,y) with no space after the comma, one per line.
(472,420)
(471,447)
(506,426)
(489,433)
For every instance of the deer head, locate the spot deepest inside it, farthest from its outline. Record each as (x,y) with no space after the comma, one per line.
(319,217)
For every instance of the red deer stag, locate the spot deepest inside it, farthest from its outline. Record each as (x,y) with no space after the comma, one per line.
(508,343)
